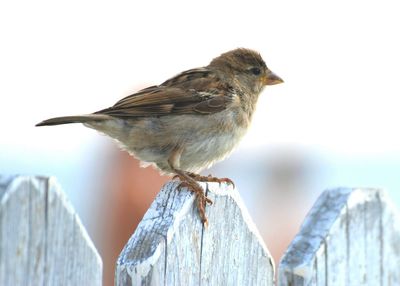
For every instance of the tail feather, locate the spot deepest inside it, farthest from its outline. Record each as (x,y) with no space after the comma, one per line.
(73,119)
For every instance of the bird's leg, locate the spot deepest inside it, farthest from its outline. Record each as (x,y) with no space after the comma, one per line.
(191,184)
(194,187)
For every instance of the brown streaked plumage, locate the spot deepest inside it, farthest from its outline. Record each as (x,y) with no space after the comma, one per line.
(188,122)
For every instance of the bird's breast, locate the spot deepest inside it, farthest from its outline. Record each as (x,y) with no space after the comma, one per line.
(212,139)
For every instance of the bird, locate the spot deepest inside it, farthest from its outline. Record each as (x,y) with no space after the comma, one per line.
(190,121)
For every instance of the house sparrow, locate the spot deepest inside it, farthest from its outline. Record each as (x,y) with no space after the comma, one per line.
(190,121)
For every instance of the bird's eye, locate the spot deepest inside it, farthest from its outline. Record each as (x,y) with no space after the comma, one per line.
(255,71)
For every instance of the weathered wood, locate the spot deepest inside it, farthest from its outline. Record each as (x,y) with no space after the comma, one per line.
(170,246)
(42,241)
(350,237)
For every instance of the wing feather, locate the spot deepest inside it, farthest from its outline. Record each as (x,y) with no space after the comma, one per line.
(196,91)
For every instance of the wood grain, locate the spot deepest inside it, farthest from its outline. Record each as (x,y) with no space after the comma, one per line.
(171,247)
(350,237)
(42,241)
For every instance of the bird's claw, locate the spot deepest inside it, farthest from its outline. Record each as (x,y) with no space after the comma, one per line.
(210,178)
(208,200)
(193,186)
(202,199)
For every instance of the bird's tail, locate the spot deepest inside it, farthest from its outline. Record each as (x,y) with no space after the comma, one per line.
(74,119)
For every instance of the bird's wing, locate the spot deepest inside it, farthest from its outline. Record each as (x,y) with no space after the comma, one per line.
(196,91)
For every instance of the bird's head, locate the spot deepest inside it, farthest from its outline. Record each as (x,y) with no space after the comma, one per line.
(247,68)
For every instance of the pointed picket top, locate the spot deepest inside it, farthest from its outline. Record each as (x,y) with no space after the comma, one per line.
(171,247)
(42,241)
(350,237)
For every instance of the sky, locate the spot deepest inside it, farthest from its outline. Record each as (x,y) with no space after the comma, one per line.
(339,60)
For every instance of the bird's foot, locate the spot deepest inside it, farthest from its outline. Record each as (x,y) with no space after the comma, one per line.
(202,199)
(210,178)
(189,180)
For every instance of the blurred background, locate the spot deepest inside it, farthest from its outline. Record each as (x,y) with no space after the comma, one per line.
(334,122)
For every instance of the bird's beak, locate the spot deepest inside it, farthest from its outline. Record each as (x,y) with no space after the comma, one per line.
(270,79)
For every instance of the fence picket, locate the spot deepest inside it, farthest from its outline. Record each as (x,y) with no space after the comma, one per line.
(350,237)
(170,246)
(42,241)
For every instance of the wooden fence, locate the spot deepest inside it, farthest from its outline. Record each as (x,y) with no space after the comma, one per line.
(350,237)
(42,241)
